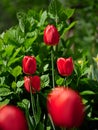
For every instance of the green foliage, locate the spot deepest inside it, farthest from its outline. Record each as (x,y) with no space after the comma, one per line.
(26,38)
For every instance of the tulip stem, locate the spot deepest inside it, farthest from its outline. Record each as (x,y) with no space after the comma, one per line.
(32,104)
(51,122)
(52,64)
(65,81)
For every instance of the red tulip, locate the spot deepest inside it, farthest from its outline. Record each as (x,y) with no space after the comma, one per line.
(65,107)
(29,64)
(51,35)
(34,82)
(12,118)
(65,66)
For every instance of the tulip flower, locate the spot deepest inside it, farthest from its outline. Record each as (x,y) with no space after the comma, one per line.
(29,64)
(51,35)
(12,118)
(33,82)
(65,66)
(65,107)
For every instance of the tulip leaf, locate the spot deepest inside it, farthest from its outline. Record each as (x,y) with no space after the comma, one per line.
(13,60)
(21,18)
(68,28)
(40,126)
(69,12)
(29,41)
(20,83)
(16,71)
(14,85)
(45,80)
(16,52)
(8,50)
(45,68)
(25,103)
(5,91)
(58,10)
(5,102)
(43,18)
(60,81)
(87,92)
(55,7)
(9,36)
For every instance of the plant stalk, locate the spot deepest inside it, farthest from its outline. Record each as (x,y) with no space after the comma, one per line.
(52,64)
(51,122)
(32,104)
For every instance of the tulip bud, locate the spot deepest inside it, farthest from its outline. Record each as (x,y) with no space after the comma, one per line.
(33,82)
(51,35)
(29,64)
(65,66)
(65,107)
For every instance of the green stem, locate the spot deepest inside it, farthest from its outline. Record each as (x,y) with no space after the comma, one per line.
(52,122)
(52,64)
(64,81)
(32,104)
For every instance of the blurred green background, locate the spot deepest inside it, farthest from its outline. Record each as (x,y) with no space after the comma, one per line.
(84,34)
(9,9)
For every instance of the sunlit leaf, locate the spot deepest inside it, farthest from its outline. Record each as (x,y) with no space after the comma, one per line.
(5,91)
(20,83)
(45,80)
(43,18)
(16,71)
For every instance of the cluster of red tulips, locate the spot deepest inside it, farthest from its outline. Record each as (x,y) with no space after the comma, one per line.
(29,67)
(64,105)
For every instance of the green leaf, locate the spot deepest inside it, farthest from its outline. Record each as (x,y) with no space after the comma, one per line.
(2,80)
(1,44)
(29,41)
(45,68)
(49,128)
(21,18)
(43,18)
(4,102)
(16,71)
(25,103)
(11,61)
(16,52)
(20,83)
(14,85)
(59,12)
(87,92)
(93,119)
(40,126)
(9,50)
(9,36)
(60,81)
(5,91)
(45,80)
(38,111)
(68,28)
(69,12)
(54,8)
